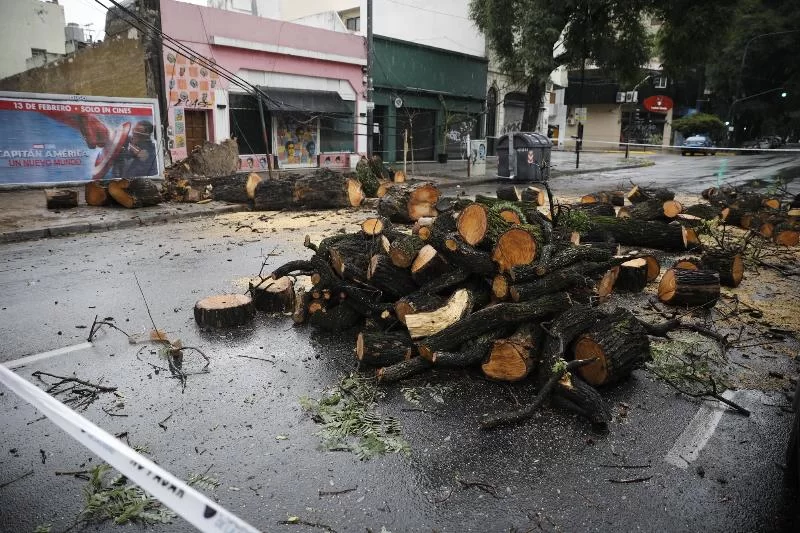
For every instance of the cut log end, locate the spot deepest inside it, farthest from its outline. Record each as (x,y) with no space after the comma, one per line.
(472,224)
(224,310)
(514,247)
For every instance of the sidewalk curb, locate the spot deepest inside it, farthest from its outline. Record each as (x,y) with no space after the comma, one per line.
(99,227)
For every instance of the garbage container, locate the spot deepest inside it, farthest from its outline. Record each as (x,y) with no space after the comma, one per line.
(527,158)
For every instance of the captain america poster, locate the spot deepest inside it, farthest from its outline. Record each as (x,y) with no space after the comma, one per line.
(62,139)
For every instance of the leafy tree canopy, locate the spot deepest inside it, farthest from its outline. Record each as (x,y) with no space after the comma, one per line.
(700,123)
(524,34)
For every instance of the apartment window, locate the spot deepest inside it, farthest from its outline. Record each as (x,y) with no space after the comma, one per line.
(353,23)
(660,82)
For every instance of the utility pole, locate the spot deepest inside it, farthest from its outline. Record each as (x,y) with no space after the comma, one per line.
(370,103)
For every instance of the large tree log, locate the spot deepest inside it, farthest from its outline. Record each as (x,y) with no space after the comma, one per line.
(134,193)
(467,257)
(335,318)
(534,195)
(619,344)
(652,234)
(729,265)
(404,250)
(479,225)
(563,330)
(704,211)
(443,225)
(640,194)
(238,188)
(593,210)
(96,194)
(563,258)
(272,295)
(350,258)
(556,281)
(469,354)
(427,323)
(324,189)
(393,281)
(513,358)
(509,193)
(490,318)
(407,203)
(577,396)
(516,246)
(61,198)
(428,265)
(656,210)
(224,310)
(632,276)
(417,302)
(691,288)
(376,347)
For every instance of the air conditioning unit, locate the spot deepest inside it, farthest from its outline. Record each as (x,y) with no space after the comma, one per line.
(571,121)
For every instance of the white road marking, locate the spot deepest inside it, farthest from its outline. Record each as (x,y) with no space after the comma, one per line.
(22,361)
(698,432)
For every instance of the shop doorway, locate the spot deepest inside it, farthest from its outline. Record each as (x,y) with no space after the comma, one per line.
(195,129)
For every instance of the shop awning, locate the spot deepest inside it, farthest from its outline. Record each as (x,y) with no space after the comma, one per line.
(300,100)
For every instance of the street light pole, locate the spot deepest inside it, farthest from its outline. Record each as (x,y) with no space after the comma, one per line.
(630,115)
(733,104)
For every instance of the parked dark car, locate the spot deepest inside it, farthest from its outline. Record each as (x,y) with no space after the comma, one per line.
(698,144)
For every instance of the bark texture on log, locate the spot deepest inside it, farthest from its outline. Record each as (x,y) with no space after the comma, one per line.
(238,188)
(61,198)
(640,194)
(581,398)
(393,281)
(273,295)
(691,288)
(224,310)
(134,193)
(402,370)
(376,347)
(404,250)
(408,203)
(620,344)
(324,189)
(632,276)
(490,318)
(468,257)
(729,265)
(652,234)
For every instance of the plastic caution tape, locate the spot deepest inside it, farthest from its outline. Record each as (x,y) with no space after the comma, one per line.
(187,502)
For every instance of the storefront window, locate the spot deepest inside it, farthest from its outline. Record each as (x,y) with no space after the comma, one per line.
(336,133)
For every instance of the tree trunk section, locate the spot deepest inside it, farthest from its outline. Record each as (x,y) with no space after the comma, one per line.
(467,257)
(581,398)
(651,234)
(479,225)
(490,318)
(393,281)
(428,265)
(404,250)
(96,194)
(632,276)
(273,295)
(404,203)
(534,195)
(417,302)
(375,347)
(238,188)
(425,324)
(729,265)
(324,189)
(513,358)
(61,198)
(509,193)
(224,310)
(691,288)
(134,193)
(640,194)
(514,247)
(335,318)
(620,345)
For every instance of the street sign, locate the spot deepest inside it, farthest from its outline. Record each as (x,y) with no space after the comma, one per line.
(580,114)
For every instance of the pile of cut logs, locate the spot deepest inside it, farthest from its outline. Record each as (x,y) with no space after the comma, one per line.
(130,193)
(500,284)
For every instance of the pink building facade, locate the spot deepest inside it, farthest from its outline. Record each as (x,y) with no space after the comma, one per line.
(313,80)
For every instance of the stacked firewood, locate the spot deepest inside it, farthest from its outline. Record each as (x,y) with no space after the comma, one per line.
(506,285)
(127,192)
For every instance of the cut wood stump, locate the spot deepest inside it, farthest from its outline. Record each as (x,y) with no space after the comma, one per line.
(375,226)
(514,247)
(224,310)
(479,225)
(428,265)
(61,198)
(408,203)
(513,358)
(376,347)
(640,194)
(134,193)
(509,193)
(691,288)
(620,344)
(534,195)
(632,276)
(273,295)
(96,194)
(729,265)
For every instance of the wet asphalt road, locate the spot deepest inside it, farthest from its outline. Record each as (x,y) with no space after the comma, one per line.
(551,474)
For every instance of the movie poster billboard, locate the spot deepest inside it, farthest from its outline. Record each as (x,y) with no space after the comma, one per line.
(61,138)
(296,140)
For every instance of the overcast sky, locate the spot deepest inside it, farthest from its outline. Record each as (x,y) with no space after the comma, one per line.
(90,12)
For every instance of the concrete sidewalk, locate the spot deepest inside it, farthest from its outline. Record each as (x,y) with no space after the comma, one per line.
(23,215)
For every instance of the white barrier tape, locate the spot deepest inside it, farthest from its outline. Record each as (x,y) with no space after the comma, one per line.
(22,361)
(187,502)
(621,146)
